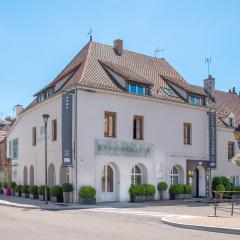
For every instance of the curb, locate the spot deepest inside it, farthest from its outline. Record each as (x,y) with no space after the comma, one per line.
(235,231)
(18,206)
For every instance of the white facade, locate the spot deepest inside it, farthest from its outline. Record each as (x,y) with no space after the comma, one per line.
(163,128)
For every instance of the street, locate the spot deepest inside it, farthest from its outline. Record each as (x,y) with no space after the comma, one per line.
(127,223)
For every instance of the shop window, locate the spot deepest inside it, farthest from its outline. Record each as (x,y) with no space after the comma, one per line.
(136,175)
(231,150)
(138,127)
(110,124)
(187,133)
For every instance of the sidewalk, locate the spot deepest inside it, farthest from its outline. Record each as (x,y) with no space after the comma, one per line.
(229,225)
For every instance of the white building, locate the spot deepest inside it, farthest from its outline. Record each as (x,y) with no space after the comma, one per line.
(133,118)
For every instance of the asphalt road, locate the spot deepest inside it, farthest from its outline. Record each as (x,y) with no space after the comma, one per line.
(99,224)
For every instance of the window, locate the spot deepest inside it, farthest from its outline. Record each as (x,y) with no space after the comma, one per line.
(187,133)
(10,148)
(110,124)
(54,130)
(34,136)
(231,122)
(136,175)
(138,127)
(174,176)
(42,131)
(196,100)
(168,91)
(50,93)
(231,150)
(138,89)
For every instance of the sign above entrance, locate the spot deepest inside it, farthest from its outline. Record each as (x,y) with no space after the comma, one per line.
(123,148)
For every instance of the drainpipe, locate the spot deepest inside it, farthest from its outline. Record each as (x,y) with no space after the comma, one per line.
(75,145)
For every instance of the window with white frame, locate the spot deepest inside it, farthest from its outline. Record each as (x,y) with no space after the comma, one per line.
(174,175)
(136,175)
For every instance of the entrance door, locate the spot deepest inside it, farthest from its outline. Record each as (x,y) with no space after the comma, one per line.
(108,183)
(197,182)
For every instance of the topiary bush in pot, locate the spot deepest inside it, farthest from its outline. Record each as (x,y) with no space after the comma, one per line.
(56,193)
(177,191)
(87,195)
(24,191)
(41,192)
(137,193)
(162,187)
(67,190)
(33,192)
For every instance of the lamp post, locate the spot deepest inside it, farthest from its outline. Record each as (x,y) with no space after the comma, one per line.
(45,119)
(237,135)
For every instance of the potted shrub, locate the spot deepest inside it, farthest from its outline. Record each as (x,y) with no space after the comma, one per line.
(177,191)
(87,195)
(137,193)
(13,185)
(162,187)
(24,191)
(187,191)
(56,194)
(18,190)
(33,192)
(67,188)
(220,191)
(150,192)
(41,192)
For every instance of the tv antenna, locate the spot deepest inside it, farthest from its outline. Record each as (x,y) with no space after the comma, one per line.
(90,34)
(208,61)
(158,50)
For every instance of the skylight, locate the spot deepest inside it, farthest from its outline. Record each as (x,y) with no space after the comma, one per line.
(168,91)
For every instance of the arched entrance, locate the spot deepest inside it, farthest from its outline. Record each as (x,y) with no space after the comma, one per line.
(64,175)
(51,175)
(199,182)
(31,176)
(108,182)
(25,176)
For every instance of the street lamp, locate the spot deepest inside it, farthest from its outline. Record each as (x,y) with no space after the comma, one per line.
(45,119)
(237,135)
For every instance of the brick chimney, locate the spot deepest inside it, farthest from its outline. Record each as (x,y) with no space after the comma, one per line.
(118,46)
(209,87)
(19,108)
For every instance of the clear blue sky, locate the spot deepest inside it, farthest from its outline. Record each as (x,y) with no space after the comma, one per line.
(38,38)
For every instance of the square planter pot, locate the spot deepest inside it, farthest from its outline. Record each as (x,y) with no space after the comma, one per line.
(150,198)
(67,197)
(138,199)
(53,199)
(41,197)
(162,195)
(87,200)
(179,196)
(25,195)
(187,196)
(7,191)
(33,196)
(17,194)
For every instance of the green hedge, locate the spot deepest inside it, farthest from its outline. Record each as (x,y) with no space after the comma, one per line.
(67,187)
(142,190)
(18,188)
(13,185)
(177,189)
(187,189)
(221,180)
(56,191)
(162,186)
(41,190)
(24,189)
(33,189)
(87,192)
(220,188)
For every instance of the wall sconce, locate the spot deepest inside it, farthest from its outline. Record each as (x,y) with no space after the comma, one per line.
(190,173)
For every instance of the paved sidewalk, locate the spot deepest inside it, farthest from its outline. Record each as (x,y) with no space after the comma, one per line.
(230,225)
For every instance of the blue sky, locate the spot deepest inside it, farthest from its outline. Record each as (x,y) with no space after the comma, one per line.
(38,38)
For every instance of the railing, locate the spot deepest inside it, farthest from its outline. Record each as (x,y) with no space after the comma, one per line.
(227,201)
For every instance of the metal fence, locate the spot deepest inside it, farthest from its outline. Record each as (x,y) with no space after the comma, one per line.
(227,201)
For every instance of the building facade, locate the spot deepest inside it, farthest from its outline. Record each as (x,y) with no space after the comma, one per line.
(116,118)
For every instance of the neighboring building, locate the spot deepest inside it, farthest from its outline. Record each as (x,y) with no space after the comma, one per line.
(133,118)
(228,118)
(5,164)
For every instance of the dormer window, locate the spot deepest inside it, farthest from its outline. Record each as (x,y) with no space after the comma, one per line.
(196,100)
(50,93)
(41,98)
(231,122)
(137,89)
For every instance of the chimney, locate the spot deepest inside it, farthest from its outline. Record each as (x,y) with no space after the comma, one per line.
(19,108)
(209,87)
(234,90)
(118,46)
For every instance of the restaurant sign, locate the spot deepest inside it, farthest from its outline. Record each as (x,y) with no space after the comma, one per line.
(212,140)
(123,148)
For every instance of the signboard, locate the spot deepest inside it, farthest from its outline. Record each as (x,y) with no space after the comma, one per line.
(122,148)
(15,148)
(212,140)
(66,129)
